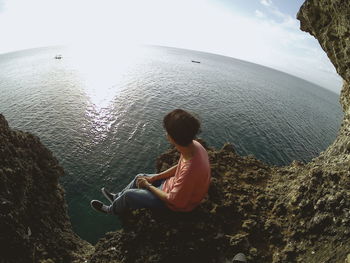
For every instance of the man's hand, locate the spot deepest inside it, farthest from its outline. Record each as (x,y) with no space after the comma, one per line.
(142,182)
(148,179)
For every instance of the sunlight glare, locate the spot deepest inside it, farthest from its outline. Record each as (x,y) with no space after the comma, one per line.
(102,69)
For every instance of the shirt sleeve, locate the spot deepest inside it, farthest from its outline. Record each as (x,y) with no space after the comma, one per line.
(181,192)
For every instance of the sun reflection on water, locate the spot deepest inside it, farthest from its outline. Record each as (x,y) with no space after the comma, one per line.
(102,70)
(102,73)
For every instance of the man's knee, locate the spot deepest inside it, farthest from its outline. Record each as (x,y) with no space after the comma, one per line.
(138,175)
(135,180)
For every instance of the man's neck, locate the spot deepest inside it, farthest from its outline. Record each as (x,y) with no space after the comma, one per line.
(186,151)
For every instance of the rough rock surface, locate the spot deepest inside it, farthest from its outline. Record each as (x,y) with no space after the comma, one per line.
(296,213)
(34,226)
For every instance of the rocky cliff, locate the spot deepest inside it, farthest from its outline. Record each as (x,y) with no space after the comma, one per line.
(297,213)
(34,225)
(328,21)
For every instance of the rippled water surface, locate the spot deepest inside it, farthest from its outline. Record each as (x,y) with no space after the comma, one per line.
(101,113)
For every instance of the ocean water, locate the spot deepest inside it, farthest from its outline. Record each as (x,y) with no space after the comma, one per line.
(101,112)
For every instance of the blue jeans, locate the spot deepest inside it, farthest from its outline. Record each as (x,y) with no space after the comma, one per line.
(132,197)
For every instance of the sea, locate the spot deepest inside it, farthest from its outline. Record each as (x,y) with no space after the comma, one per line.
(100,112)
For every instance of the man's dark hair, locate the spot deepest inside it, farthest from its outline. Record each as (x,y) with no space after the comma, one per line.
(181,126)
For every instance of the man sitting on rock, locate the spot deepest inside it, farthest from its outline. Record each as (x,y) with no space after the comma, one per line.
(180,188)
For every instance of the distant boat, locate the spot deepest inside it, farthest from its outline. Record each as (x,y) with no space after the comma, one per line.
(195,61)
(58,57)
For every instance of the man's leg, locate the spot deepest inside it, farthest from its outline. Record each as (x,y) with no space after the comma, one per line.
(140,199)
(134,199)
(132,185)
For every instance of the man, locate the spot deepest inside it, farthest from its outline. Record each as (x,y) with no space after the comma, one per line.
(180,188)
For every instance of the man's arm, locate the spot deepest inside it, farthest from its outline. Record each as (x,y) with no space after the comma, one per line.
(157,192)
(164,175)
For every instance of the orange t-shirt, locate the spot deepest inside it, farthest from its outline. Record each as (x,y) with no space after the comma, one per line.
(190,184)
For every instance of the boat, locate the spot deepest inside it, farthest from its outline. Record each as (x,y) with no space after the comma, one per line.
(195,61)
(58,57)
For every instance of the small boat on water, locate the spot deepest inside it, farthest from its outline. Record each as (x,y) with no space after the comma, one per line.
(195,61)
(58,57)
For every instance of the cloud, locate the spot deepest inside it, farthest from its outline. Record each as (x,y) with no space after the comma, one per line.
(266,2)
(259,14)
(294,51)
(276,15)
(286,19)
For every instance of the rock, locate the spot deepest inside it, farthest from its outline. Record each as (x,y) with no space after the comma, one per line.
(228,148)
(31,230)
(316,172)
(253,252)
(334,176)
(289,253)
(239,240)
(248,225)
(279,209)
(319,222)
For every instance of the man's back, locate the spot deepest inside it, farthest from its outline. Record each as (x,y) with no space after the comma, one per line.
(190,184)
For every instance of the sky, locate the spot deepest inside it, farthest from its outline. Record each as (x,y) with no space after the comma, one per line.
(265,32)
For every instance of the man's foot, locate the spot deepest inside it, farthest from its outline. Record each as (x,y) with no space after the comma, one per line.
(108,195)
(99,206)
